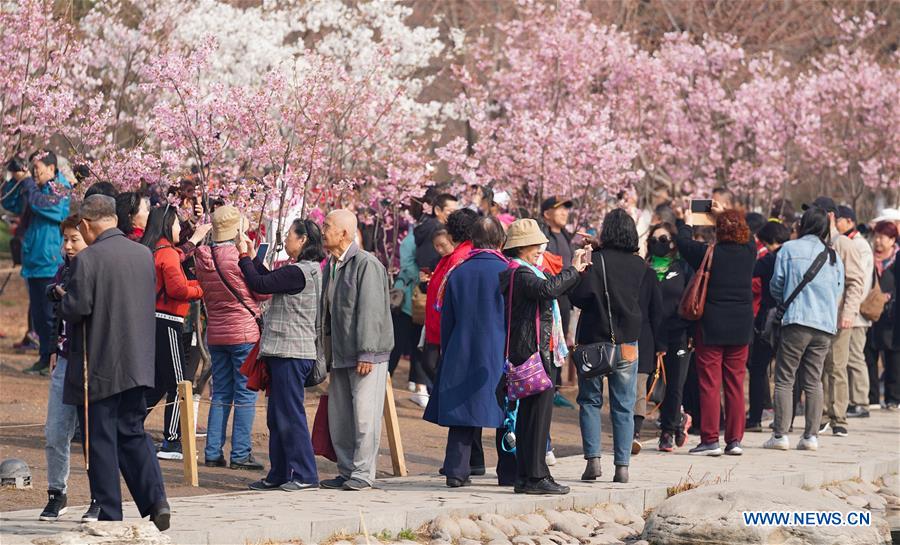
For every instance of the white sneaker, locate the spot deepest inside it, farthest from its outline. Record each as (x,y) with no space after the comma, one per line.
(808,443)
(778,443)
(420,399)
(874,406)
(550,458)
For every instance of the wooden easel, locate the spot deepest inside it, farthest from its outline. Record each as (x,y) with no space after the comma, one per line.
(392,423)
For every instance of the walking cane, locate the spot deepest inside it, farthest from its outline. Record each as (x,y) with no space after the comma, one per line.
(87,425)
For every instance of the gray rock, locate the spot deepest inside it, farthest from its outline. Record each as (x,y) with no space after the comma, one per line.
(892,483)
(489,532)
(828,494)
(343,542)
(444,527)
(581,519)
(499,542)
(569,528)
(536,521)
(361,540)
(561,537)
(553,516)
(469,529)
(439,542)
(407,542)
(464,541)
(837,491)
(522,528)
(637,526)
(857,501)
(108,533)
(641,542)
(544,540)
(603,516)
(601,539)
(524,540)
(499,522)
(713,514)
(876,502)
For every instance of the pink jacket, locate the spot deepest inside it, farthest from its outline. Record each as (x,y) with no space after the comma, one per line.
(228,320)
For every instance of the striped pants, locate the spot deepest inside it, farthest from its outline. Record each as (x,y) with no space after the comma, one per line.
(170,370)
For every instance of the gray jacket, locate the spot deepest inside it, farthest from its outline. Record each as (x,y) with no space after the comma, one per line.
(112,294)
(291,324)
(359,318)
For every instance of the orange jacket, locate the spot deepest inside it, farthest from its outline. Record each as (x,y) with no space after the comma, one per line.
(174,291)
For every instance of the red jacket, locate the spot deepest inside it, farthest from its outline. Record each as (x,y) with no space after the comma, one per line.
(229,322)
(174,291)
(432,315)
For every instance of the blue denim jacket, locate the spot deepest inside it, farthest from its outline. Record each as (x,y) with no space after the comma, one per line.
(817,305)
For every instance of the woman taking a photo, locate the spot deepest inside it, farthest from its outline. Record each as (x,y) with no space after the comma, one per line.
(232,310)
(723,333)
(673,275)
(615,276)
(288,345)
(884,335)
(174,293)
(533,303)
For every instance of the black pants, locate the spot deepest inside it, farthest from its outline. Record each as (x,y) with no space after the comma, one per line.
(406,341)
(690,397)
(890,359)
(41,310)
(170,370)
(758,364)
(532,434)
(677,361)
(465,451)
(117,440)
(431,360)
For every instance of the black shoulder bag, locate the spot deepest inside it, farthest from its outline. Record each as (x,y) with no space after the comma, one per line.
(259,321)
(771,333)
(596,359)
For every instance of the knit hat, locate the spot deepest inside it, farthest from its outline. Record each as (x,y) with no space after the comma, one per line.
(226,223)
(524,232)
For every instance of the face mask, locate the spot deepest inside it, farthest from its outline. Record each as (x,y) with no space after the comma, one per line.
(660,249)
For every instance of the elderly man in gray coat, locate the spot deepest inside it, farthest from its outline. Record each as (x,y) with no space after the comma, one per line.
(357,337)
(110,301)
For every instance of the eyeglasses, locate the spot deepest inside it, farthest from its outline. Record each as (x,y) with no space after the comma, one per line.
(663,239)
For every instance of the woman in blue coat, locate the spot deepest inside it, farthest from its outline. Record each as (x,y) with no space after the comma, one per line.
(473,335)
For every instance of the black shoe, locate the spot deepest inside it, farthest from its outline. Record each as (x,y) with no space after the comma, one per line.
(56,506)
(170,450)
(753,426)
(706,449)
(453,482)
(38,368)
(621,475)
(297,486)
(839,431)
(734,449)
(546,486)
(263,485)
(218,462)
(592,470)
(161,516)
(356,485)
(475,471)
(519,486)
(248,463)
(333,484)
(857,411)
(666,444)
(92,514)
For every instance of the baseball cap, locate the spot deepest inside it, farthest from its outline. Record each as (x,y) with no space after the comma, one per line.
(556,202)
(846,212)
(825,203)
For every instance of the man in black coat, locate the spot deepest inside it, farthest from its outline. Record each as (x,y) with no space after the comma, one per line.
(111,301)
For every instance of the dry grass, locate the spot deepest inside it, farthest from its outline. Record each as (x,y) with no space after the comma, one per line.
(688,482)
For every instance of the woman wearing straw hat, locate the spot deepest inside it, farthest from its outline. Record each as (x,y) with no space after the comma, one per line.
(535,325)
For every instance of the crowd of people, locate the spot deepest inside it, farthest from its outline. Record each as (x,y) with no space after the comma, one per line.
(491,310)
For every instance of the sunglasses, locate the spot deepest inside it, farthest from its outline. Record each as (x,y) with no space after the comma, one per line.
(663,239)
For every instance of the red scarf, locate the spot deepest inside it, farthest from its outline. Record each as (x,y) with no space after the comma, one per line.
(476,251)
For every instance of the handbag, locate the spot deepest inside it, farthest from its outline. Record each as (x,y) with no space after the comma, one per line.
(321,435)
(694,299)
(657,392)
(771,333)
(396,296)
(419,299)
(873,305)
(596,359)
(529,377)
(256,318)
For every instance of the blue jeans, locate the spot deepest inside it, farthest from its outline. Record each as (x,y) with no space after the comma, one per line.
(42,315)
(59,430)
(230,386)
(290,445)
(622,390)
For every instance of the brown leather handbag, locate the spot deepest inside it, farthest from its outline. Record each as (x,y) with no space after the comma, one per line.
(694,299)
(873,305)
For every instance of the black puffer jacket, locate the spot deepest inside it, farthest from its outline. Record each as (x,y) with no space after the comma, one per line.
(528,292)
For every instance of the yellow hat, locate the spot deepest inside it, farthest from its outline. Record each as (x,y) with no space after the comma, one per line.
(226,222)
(524,232)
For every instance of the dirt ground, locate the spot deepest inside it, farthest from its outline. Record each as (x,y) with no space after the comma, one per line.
(23,402)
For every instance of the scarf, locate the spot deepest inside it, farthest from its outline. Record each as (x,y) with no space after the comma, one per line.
(661,265)
(439,303)
(558,337)
(883,264)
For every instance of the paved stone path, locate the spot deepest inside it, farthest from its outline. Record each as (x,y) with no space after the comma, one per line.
(871,450)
